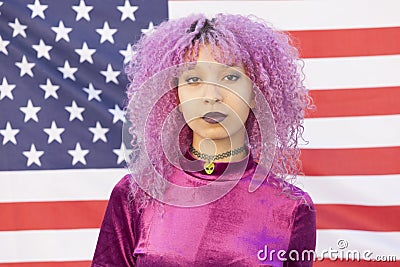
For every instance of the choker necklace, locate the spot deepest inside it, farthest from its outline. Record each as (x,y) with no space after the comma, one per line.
(209,165)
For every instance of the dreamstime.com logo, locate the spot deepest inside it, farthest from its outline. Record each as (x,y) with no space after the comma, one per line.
(341,253)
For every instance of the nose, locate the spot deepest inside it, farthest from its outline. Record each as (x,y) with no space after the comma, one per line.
(212,93)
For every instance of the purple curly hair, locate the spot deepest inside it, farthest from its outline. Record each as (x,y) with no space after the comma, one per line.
(270,61)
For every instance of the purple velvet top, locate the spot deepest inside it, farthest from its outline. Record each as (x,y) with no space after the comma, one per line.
(239,229)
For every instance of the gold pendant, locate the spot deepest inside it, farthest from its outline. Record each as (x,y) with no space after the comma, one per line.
(209,167)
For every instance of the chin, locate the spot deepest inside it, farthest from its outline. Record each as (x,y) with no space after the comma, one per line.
(213,133)
(216,133)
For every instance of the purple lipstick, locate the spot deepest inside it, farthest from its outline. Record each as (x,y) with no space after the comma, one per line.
(214,117)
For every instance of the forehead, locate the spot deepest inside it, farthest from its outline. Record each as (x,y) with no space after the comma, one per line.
(207,53)
(213,54)
(207,61)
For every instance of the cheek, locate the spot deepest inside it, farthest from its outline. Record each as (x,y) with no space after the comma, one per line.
(239,100)
(183,100)
(247,94)
(243,111)
(180,95)
(186,93)
(240,107)
(189,107)
(242,90)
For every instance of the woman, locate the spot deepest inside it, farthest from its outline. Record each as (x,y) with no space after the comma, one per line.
(216,111)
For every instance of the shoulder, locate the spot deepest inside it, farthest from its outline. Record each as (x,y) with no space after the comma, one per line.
(288,193)
(303,222)
(304,211)
(303,198)
(123,183)
(121,189)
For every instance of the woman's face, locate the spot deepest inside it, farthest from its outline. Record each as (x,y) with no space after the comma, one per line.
(215,99)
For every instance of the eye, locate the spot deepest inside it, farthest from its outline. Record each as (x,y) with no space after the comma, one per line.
(193,80)
(231,77)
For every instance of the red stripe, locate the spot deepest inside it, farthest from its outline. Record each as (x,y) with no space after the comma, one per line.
(51,215)
(347,42)
(355,217)
(89,214)
(48,264)
(361,263)
(351,161)
(356,102)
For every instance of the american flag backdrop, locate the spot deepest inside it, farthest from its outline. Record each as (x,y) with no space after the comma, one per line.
(61,97)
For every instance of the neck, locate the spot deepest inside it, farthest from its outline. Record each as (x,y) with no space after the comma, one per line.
(218,146)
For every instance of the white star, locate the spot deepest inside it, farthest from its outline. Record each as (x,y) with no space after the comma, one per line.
(54,133)
(85,53)
(50,89)
(82,11)
(122,153)
(106,33)
(1,3)
(128,53)
(18,28)
(9,134)
(3,45)
(75,111)
(30,112)
(25,67)
(127,11)
(92,93)
(6,89)
(78,155)
(33,156)
(68,71)
(110,74)
(61,31)
(149,30)
(118,113)
(42,49)
(37,9)
(99,132)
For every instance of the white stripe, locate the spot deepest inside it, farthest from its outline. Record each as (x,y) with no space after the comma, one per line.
(301,15)
(352,132)
(64,185)
(58,185)
(369,190)
(61,245)
(352,72)
(47,245)
(379,243)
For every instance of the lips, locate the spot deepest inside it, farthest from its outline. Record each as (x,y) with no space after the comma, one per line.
(214,117)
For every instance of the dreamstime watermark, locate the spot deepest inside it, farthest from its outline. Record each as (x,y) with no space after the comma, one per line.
(341,253)
(272,255)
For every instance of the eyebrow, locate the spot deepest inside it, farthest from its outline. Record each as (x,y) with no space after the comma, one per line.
(192,65)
